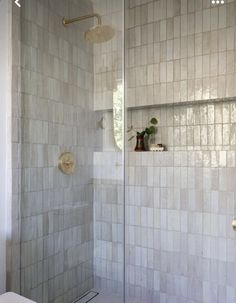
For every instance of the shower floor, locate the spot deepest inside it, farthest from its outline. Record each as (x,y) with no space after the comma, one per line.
(107,298)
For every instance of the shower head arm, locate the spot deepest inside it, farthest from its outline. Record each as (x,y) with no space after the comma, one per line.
(81,18)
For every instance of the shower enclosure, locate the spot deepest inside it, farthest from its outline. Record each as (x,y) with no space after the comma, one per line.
(92,219)
(64,98)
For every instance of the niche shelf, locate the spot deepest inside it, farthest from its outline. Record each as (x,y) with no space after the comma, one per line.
(173,104)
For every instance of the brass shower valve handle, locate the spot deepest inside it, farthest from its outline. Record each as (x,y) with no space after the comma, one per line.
(66,163)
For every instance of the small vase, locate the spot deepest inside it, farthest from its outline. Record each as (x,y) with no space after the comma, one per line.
(140,144)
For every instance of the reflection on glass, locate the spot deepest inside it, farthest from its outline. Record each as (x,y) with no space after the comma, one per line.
(118,115)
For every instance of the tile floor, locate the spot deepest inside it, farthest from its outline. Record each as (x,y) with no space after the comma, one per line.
(107,298)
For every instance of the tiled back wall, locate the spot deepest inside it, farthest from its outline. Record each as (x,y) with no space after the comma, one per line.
(180,50)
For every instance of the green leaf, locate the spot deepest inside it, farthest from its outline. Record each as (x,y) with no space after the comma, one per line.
(148,131)
(142,133)
(154,121)
(131,138)
(152,130)
(130,129)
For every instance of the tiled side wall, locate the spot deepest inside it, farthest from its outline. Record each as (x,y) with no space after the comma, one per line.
(57,101)
(180,50)
(180,243)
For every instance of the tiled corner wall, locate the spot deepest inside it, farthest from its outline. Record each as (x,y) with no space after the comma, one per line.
(53,113)
(180,50)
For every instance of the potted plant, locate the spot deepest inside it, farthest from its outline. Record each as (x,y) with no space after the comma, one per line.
(144,135)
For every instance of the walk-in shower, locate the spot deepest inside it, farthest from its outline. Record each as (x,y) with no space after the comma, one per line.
(109,224)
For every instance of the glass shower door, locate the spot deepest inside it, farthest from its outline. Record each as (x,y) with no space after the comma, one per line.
(109,157)
(71,187)
(180,245)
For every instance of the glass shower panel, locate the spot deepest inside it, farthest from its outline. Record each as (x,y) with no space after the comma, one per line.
(109,156)
(71,220)
(180,203)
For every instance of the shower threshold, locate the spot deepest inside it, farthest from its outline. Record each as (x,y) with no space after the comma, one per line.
(89,296)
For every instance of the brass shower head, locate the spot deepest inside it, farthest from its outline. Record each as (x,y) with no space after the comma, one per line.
(98,33)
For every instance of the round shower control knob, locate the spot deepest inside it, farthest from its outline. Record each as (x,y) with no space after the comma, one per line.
(66,163)
(234,224)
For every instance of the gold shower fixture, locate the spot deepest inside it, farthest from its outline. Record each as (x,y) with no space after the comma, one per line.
(81,18)
(66,163)
(98,33)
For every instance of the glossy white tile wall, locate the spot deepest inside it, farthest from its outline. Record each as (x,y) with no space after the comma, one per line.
(180,51)
(179,240)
